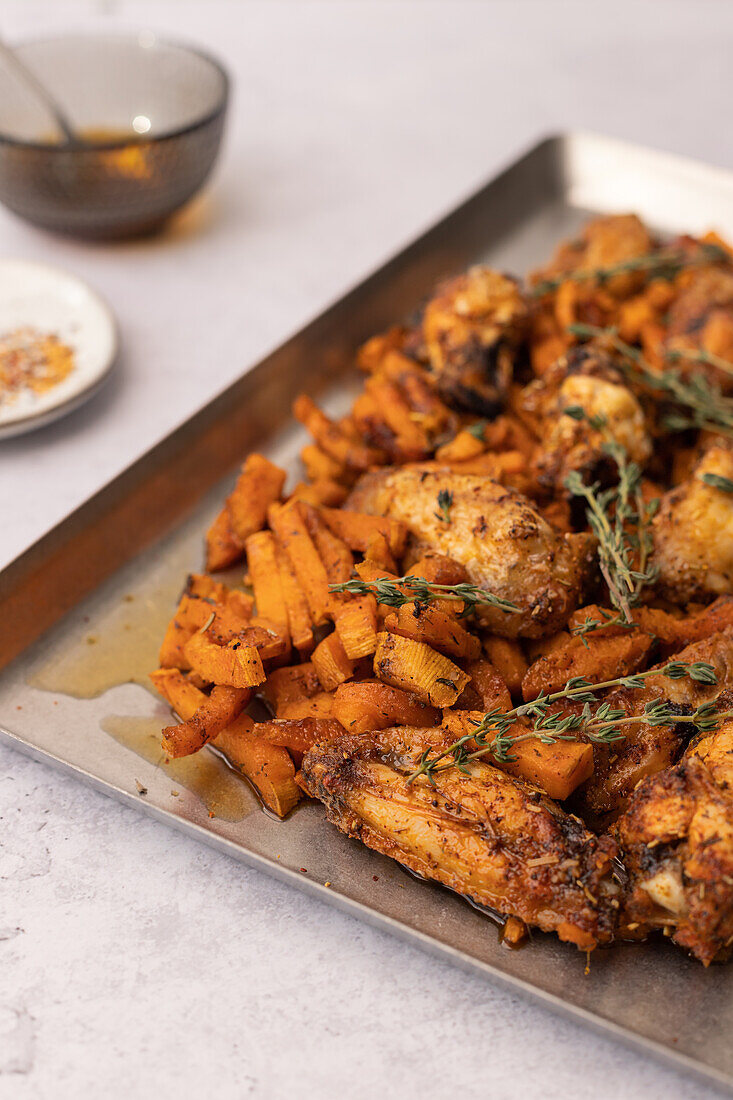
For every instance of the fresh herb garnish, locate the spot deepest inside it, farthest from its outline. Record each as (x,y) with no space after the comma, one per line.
(664,264)
(717,481)
(402,590)
(445,503)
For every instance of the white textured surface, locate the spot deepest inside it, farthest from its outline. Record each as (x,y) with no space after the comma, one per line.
(134,962)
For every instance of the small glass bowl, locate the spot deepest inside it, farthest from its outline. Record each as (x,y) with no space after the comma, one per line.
(153,112)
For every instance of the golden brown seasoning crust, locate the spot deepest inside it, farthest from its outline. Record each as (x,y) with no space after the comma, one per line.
(484,834)
(497,534)
(676,839)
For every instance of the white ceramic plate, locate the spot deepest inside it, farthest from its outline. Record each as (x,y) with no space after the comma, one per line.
(52,301)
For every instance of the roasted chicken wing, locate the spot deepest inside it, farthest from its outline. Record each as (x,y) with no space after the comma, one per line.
(482,833)
(497,534)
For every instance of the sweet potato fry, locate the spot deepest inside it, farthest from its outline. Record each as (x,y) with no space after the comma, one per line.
(290,529)
(223,548)
(557,769)
(331,663)
(322,491)
(199,584)
(379,552)
(338,561)
(233,664)
(218,711)
(258,486)
(415,667)
(427,623)
(463,446)
(320,466)
(268,767)
(619,655)
(300,623)
(411,440)
(507,658)
(192,614)
(299,734)
(266,581)
(356,626)
(332,439)
(372,705)
(356,528)
(178,690)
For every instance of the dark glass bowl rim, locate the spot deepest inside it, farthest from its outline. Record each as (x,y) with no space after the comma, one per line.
(133,139)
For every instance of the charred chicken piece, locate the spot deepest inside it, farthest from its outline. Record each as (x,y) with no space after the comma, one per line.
(496,533)
(583,379)
(647,749)
(471,329)
(676,839)
(603,242)
(484,834)
(693,532)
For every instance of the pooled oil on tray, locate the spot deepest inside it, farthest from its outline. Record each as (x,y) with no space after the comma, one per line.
(103,585)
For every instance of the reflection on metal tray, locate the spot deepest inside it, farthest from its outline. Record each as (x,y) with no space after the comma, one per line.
(116,565)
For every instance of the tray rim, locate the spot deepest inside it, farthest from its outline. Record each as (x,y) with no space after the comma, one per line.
(562,142)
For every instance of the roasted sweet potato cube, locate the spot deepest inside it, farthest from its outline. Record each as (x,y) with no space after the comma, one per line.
(356,528)
(379,552)
(489,685)
(372,705)
(464,445)
(321,466)
(319,705)
(192,614)
(331,663)
(322,491)
(332,439)
(234,664)
(411,440)
(299,734)
(557,769)
(289,685)
(217,711)
(427,623)
(268,767)
(415,667)
(619,655)
(258,486)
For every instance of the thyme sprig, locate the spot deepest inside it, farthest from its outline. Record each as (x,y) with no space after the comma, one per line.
(493,733)
(445,503)
(402,590)
(663,264)
(675,355)
(717,481)
(704,404)
(619,517)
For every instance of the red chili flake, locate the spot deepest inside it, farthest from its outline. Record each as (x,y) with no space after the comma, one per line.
(304,870)
(376,878)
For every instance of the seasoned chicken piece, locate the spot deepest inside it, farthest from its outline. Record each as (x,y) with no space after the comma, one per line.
(693,533)
(497,534)
(676,839)
(484,834)
(585,378)
(603,242)
(701,319)
(647,749)
(471,329)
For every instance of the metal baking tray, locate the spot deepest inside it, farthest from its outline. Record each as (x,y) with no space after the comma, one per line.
(83,610)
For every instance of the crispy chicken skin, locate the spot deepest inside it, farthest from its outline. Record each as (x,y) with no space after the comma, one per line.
(584,378)
(676,839)
(603,242)
(693,533)
(497,534)
(484,834)
(646,749)
(470,329)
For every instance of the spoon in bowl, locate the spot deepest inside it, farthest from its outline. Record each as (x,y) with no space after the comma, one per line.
(10,59)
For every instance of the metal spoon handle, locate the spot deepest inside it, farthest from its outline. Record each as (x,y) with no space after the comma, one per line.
(13,62)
